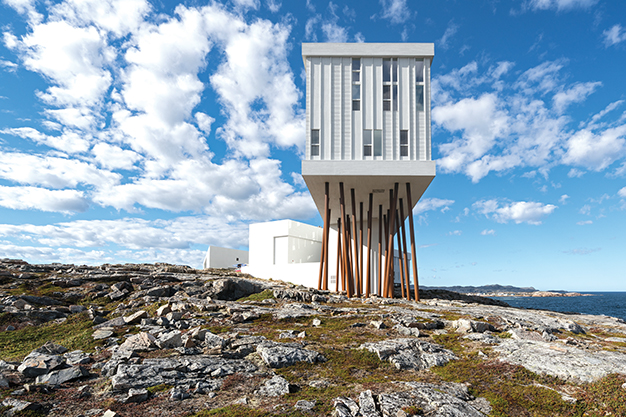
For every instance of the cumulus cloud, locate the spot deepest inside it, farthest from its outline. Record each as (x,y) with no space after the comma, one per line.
(616,34)
(488,232)
(493,128)
(622,192)
(396,11)
(519,211)
(427,204)
(559,5)
(34,198)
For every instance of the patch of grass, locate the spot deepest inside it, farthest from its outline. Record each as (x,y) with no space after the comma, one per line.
(260,296)
(504,335)
(604,397)
(512,390)
(450,341)
(34,288)
(158,388)
(74,333)
(413,411)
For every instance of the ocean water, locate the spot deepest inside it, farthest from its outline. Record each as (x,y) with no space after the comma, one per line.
(608,303)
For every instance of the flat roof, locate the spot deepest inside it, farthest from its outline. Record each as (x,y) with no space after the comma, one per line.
(369,49)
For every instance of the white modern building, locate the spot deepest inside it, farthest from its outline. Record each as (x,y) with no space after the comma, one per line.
(367,163)
(217,257)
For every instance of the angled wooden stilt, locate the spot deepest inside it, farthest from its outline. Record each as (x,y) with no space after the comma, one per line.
(380,249)
(412,232)
(400,262)
(324,257)
(355,259)
(368,277)
(361,277)
(339,260)
(390,248)
(403,251)
(342,203)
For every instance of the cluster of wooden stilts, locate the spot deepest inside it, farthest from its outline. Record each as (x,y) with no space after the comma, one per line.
(350,257)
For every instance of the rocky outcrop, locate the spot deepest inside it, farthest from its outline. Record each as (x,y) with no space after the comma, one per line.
(410,353)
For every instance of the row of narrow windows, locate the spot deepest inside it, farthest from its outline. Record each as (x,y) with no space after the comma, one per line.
(372,142)
(390,84)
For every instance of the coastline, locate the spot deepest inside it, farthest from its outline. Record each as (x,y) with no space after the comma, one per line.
(531,294)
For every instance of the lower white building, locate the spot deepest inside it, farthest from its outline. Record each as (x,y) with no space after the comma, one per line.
(290,251)
(217,257)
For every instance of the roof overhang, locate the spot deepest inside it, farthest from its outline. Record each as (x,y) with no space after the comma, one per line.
(396,50)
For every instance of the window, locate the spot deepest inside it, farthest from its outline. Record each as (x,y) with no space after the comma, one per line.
(367,143)
(390,84)
(404,143)
(419,84)
(378,143)
(356,84)
(386,97)
(419,97)
(377,146)
(315,142)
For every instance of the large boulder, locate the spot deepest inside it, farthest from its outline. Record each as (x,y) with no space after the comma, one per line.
(232,289)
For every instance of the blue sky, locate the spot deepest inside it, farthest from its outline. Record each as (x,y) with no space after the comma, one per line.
(136,131)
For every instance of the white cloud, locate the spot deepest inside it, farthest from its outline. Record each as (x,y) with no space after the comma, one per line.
(395,10)
(334,32)
(455,233)
(34,198)
(247,4)
(427,204)
(520,211)
(622,192)
(69,141)
(25,7)
(451,30)
(615,35)
(488,232)
(113,157)
(584,222)
(586,209)
(595,151)
(309,29)
(559,5)
(274,5)
(564,198)
(576,94)
(10,66)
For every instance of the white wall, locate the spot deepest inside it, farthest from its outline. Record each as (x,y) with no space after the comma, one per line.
(217,257)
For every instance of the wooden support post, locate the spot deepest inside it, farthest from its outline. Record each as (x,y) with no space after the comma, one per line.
(390,255)
(325,277)
(339,259)
(350,256)
(400,262)
(412,232)
(323,257)
(368,278)
(342,204)
(384,290)
(403,251)
(380,249)
(355,259)
(361,278)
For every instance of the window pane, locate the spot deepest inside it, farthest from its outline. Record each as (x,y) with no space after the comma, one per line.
(378,143)
(367,150)
(395,70)
(356,76)
(419,71)
(386,70)
(386,92)
(315,137)
(356,64)
(395,97)
(419,97)
(404,151)
(404,137)
(387,105)
(356,105)
(367,137)
(315,150)
(356,92)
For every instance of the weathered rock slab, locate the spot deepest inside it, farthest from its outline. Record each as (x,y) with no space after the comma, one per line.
(279,355)
(410,353)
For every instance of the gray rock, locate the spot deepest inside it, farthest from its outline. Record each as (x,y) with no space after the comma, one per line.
(19,406)
(170,340)
(116,322)
(136,317)
(483,338)
(232,289)
(275,387)
(177,371)
(471,326)
(378,324)
(163,310)
(139,342)
(75,309)
(367,405)
(410,353)
(56,378)
(316,322)
(102,334)
(304,405)
(214,341)
(36,364)
(77,357)
(109,413)
(406,331)
(178,394)
(164,291)
(278,355)
(564,361)
(136,395)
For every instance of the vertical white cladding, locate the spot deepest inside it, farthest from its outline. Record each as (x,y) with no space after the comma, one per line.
(343,131)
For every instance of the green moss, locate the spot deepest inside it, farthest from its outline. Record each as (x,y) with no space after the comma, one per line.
(604,397)
(504,335)
(74,333)
(260,296)
(158,388)
(450,341)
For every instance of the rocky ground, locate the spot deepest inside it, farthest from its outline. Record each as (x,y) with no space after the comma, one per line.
(127,340)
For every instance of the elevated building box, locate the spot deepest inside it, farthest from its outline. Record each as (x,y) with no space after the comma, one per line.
(367,163)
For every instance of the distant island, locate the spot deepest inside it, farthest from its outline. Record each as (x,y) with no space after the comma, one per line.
(497,290)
